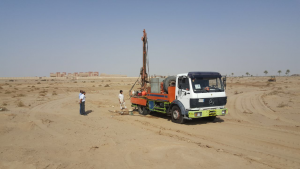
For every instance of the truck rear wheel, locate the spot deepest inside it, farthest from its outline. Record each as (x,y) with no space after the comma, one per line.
(143,110)
(176,115)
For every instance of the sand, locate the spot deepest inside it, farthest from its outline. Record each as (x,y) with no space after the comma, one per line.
(43,129)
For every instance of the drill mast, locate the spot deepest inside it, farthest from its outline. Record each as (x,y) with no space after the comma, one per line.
(144,75)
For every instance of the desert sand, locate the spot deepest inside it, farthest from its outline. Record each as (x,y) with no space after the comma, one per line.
(41,128)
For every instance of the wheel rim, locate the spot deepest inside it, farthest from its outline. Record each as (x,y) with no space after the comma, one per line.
(175,114)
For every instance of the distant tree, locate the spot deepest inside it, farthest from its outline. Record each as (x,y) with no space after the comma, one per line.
(232,74)
(287,72)
(279,71)
(247,73)
(266,72)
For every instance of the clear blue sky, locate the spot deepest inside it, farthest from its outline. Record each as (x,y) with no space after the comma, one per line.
(39,37)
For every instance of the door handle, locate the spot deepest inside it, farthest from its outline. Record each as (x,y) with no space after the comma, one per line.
(187,93)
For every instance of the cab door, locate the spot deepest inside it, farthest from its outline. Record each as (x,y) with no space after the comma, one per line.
(183,91)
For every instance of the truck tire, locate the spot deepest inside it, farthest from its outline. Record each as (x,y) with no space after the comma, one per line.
(176,115)
(167,82)
(143,110)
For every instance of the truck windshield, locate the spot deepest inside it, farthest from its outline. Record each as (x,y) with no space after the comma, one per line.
(214,85)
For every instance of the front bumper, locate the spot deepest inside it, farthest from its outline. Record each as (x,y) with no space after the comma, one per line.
(207,113)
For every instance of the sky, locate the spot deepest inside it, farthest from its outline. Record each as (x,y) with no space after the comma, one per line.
(38,37)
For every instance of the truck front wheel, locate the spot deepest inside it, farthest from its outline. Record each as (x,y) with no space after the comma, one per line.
(176,115)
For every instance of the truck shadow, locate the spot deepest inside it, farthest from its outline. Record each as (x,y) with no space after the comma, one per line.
(199,121)
(203,121)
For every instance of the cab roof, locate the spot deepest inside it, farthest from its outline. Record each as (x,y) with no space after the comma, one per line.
(204,74)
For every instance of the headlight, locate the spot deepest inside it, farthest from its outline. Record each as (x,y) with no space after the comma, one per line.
(198,114)
(223,112)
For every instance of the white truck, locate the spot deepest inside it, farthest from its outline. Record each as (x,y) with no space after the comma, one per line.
(185,97)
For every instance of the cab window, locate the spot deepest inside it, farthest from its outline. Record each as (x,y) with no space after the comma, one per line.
(183,83)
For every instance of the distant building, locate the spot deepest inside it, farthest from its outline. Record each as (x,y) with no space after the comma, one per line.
(75,74)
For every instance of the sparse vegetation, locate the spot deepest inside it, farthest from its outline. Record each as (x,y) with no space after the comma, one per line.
(3,109)
(7,92)
(54,93)
(38,83)
(281,105)
(20,104)
(266,72)
(4,104)
(21,95)
(107,85)
(274,92)
(1,87)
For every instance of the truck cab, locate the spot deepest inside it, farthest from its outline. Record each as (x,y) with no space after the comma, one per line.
(199,94)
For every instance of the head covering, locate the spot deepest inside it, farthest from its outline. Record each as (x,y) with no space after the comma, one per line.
(121,91)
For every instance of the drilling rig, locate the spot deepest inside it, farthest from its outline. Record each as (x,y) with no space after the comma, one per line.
(183,97)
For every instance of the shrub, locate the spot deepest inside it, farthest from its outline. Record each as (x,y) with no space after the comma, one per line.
(7,92)
(42,94)
(281,105)
(54,93)
(107,85)
(20,104)
(75,82)
(38,82)
(1,87)
(3,109)
(21,95)
(4,104)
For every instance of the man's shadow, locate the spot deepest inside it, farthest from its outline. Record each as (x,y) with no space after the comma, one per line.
(88,112)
